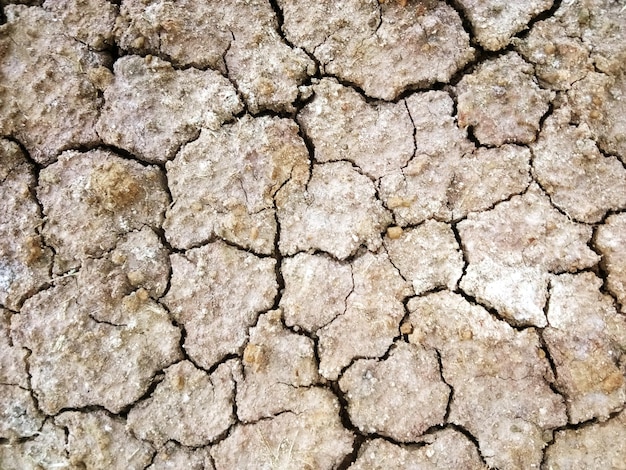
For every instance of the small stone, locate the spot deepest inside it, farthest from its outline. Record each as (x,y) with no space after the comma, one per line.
(337,213)
(398,397)
(224,183)
(96,440)
(395,232)
(585,337)
(91,199)
(501,102)
(501,384)
(428,256)
(178,408)
(611,240)
(511,250)
(24,261)
(342,125)
(371,319)
(383,49)
(594,446)
(442,450)
(216,294)
(495,22)
(579,179)
(310,436)
(152,109)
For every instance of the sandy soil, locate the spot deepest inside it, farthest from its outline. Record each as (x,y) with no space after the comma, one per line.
(285,234)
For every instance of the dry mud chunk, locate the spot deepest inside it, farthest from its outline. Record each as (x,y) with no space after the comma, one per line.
(499,377)
(337,212)
(373,313)
(151,109)
(383,49)
(13,358)
(586,338)
(236,37)
(443,450)
(47,100)
(19,416)
(309,437)
(96,440)
(502,102)
(448,177)
(179,407)
(224,183)
(88,21)
(316,290)
(611,240)
(278,368)
(579,179)
(512,248)
(495,21)
(46,450)
(428,256)
(599,445)
(216,293)
(601,24)
(175,457)
(24,263)
(378,138)
(599,101)
(81,358)
(92,198)
(559,59)
(399,397)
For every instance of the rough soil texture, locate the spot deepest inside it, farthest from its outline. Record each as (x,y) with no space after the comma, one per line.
(284,234)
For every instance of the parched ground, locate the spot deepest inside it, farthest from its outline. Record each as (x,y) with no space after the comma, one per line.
(295,234)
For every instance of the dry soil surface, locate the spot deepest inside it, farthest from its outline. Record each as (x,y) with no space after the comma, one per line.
(295,234)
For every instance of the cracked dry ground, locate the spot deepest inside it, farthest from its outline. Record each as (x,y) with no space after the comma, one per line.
(285,234)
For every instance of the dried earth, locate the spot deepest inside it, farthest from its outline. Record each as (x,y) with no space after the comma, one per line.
(284,234)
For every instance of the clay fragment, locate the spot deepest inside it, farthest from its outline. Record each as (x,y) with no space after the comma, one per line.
(442,450)
(499,376)
(502,102)
(511,250)
(178,408)
(494,22)
(586,338)
(279,368)
(382,48)
(48,99)
(24,261)
(310,436)
(224,183)
(336,212)
(400,396)
(151,109)
(611,240)
(216,294)
(580,180)
(91,199)
(96,440)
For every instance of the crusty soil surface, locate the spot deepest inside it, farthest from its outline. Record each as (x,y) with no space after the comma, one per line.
(295,234)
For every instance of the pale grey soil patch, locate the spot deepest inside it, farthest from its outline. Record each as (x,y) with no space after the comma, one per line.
(283,234)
